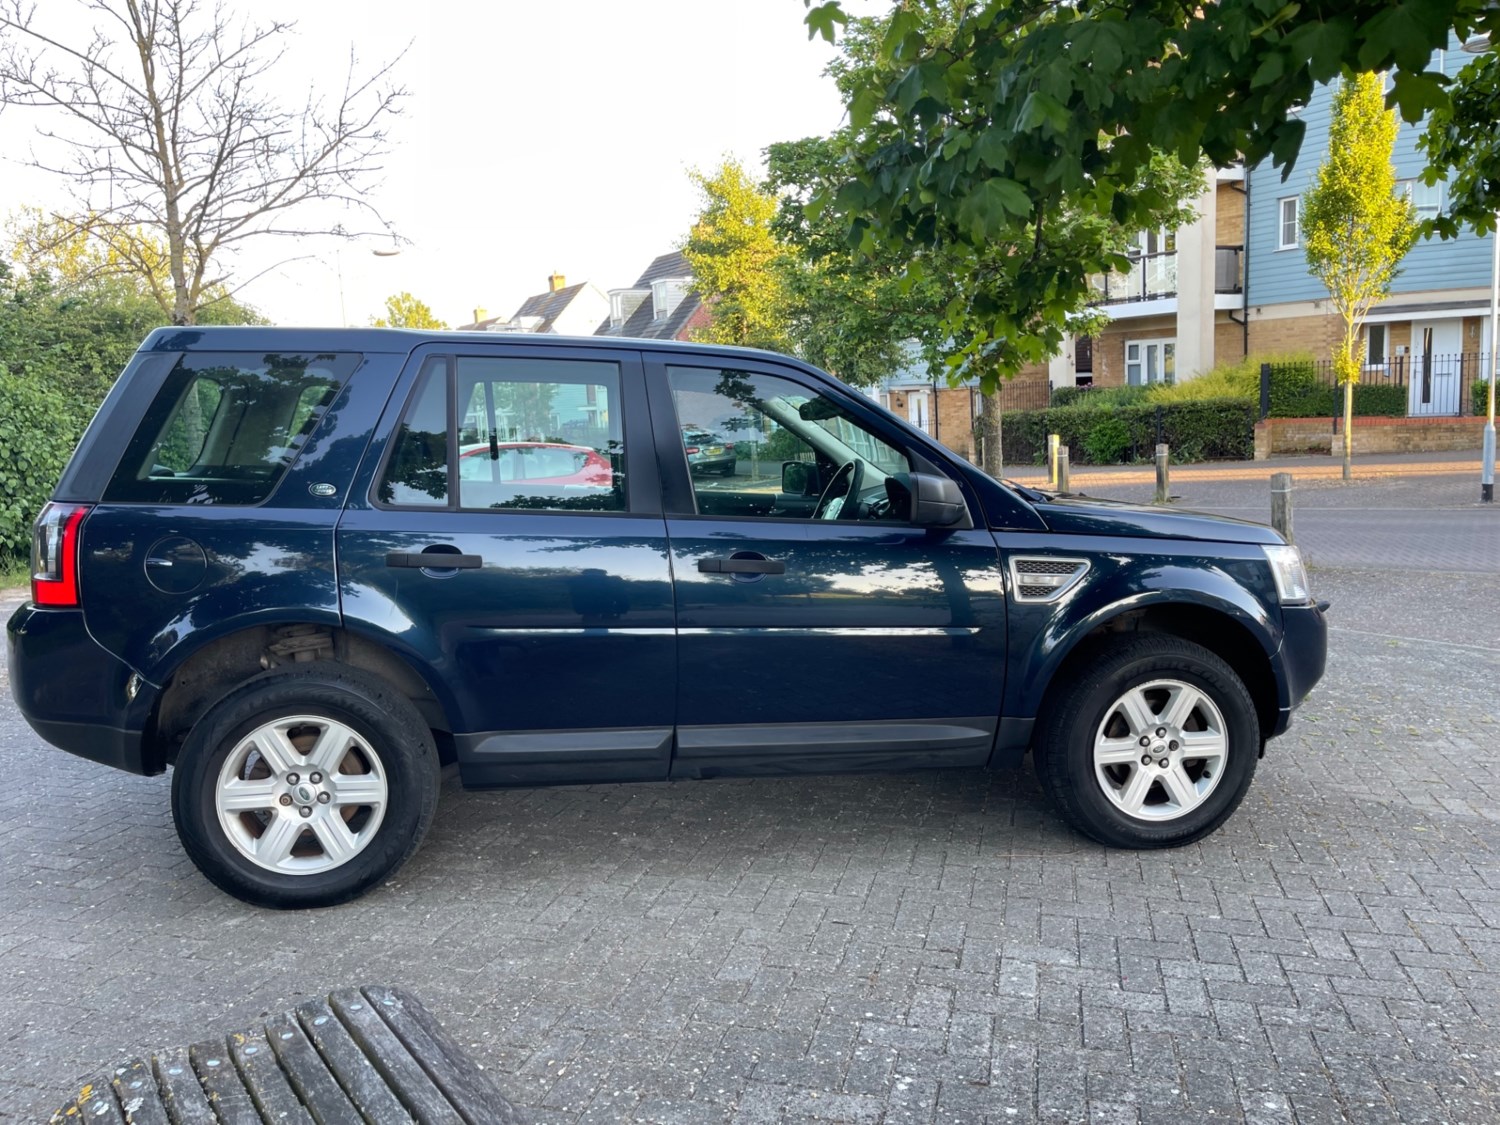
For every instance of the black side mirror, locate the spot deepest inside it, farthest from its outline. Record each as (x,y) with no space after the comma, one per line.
(799,478)
(937,502)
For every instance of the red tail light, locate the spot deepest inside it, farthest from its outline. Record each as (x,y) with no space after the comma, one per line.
(54,555)
(692,449)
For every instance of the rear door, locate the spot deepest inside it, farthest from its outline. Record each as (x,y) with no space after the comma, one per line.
(816,640)
(506,533)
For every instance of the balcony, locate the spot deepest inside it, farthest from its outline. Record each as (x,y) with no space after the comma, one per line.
(1153,277)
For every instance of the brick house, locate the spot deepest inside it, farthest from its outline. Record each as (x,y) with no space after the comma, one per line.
(1235,282)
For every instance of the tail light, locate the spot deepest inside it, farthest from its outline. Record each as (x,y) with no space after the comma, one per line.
(692,449)
(54,555)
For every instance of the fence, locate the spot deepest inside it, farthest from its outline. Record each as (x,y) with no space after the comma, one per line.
(1413,386)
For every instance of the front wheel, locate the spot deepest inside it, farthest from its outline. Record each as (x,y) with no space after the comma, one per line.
(305,786)
(1153,744)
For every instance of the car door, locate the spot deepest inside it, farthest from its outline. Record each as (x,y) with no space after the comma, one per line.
(816,640)
(506,536)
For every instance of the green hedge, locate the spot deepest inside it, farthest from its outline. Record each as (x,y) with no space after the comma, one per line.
(38,429)
(1479,393)
(1211,429)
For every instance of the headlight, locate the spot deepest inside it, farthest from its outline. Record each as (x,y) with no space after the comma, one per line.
(1290,574)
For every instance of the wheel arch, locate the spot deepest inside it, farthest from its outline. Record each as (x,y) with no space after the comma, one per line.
(212,670)
(1222,628)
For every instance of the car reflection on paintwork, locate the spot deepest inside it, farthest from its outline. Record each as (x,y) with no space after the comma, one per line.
(536,462)
(708,452)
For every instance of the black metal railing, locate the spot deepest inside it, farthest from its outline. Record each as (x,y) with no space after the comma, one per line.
(1152,277)
(1413,386)
(1149,277)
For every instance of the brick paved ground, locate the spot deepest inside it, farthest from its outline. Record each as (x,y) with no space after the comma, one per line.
(913,948)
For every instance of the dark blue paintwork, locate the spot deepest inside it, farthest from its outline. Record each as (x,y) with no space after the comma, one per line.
(590,646)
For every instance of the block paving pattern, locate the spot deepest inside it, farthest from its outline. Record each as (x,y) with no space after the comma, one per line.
(916,948)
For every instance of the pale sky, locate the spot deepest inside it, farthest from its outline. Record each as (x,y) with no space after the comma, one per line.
(539,136)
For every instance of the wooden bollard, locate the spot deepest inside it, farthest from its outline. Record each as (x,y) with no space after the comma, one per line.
(1163,485)
(1062,468)
(1281,504)
(1054,443)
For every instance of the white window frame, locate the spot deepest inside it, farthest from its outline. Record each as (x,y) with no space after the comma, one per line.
(1281,222)
(1383,332)
(1426,198)
(1168,353)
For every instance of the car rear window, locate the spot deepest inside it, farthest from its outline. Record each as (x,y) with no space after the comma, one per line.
(226,426)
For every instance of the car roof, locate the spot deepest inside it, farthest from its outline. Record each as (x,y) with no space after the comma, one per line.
(400,341)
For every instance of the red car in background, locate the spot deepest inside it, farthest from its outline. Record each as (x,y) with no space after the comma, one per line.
(536,462)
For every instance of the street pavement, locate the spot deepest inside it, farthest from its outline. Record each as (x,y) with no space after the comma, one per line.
(924,948)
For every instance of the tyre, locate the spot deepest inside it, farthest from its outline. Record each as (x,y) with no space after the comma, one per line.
(1152,744)
(305,786)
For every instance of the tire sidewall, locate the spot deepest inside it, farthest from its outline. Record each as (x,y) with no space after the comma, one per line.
(407,757)
(1086,710)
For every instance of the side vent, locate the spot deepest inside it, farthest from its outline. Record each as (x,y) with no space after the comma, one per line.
(1040,578)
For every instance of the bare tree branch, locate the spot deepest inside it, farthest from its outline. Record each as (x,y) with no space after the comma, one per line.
(174,127)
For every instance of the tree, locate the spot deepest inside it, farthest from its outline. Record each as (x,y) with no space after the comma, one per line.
(859,300)
(988,131)
(402,310)
(173,131)
(1355,227)
(78,263)
(736,260)
(1462,145)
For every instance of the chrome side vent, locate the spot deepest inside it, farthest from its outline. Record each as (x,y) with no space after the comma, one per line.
(1044,578)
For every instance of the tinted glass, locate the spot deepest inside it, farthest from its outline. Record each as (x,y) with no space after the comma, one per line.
(530,434)
(756,423)
(417,472)
(540,434)
(225,427)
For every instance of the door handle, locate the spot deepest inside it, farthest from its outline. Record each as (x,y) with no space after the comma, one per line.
(741,566)
(433,560)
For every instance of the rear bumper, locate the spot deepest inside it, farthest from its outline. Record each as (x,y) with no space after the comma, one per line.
(73,693)
(1304,654)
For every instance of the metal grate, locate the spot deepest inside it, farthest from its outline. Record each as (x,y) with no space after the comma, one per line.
(1045,579)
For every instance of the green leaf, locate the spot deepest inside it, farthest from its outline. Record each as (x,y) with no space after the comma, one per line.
(821,19)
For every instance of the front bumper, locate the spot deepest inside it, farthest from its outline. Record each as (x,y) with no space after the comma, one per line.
(1304,655)
(73,693)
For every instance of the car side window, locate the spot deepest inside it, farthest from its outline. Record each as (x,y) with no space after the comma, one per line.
(501,433)
(758,444)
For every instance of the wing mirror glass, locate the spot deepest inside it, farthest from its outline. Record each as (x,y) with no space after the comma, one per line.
(799,478)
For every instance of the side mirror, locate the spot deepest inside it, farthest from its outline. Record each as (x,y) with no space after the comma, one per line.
(799,478)
(937,502)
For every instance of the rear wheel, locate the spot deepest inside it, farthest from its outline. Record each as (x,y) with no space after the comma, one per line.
(305,786)
(1152,744)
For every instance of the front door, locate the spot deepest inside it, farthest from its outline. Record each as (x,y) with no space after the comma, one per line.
(818,630)
(1436,366)
(507,532)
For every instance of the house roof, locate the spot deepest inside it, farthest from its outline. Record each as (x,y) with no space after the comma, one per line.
(642,324)
(545,306)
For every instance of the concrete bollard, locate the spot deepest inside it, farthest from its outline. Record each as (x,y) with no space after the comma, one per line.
(1054,442)
(1163,484)
(1062,468)
(1281,504)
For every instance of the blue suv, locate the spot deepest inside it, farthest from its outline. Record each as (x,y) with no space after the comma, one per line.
(306,567)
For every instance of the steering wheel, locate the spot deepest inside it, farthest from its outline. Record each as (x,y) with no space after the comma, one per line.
(832,503)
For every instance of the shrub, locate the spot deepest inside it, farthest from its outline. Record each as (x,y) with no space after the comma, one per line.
(38,430)
(1240,379)
(1108,441)
(1479,396)
(1197,431)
